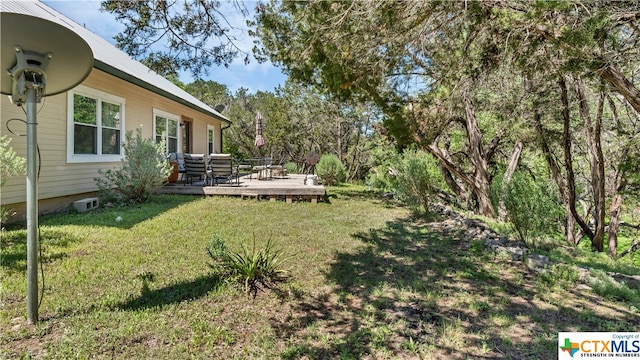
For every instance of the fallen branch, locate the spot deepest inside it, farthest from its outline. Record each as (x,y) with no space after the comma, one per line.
(635,245)
(637,226)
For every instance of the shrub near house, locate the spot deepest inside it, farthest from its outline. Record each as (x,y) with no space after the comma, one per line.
(144,169)
(10,165)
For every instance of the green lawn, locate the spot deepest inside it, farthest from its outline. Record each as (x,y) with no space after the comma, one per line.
(367,280)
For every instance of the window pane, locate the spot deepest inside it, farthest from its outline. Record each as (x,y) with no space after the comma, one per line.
(210,135)
(161,125)
(84,109)
(110,115)
(173,128)
(110,141)
(173,145)
(85,139)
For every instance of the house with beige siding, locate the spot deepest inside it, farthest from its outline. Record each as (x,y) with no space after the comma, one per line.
(81,131)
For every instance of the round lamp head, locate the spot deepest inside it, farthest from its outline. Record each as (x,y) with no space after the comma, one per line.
(68,59)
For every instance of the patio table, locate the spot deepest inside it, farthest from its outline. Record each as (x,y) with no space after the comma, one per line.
(261,168)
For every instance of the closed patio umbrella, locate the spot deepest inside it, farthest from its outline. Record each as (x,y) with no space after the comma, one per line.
(259,139)
(259,143)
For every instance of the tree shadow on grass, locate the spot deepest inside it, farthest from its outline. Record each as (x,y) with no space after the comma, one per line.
(410,288)
(173,294)
(349,193)
(14,247)
(130,215)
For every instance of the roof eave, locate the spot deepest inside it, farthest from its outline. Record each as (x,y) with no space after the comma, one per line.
(100,65)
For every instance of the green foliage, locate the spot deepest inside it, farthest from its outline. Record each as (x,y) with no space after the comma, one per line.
(478,246)
(379,177)
(608,288)
(418,178)
(331,170)
(195,34)
(531,207)
(143,170)
(10,165)
(629,167)
(291,167)
(560,275)
(252,269)
(414,178)
(296,119)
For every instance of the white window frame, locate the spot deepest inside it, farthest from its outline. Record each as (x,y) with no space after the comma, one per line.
(211,129)
(168,116)
(99,96)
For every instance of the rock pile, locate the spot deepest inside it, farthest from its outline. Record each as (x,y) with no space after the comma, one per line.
(472,230)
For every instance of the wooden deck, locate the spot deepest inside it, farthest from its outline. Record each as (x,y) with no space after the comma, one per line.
(291,188)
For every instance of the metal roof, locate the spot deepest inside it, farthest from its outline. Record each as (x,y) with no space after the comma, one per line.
(112,60)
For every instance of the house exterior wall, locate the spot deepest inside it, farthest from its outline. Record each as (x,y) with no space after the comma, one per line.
(62,179)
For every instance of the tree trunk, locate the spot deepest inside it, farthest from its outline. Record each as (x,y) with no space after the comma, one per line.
(621,84)
(479,181)
(513,161)
(455,186)
(614,225)
(566,144)
(478,160)
(451,181)
(596,161)
(570,223)
(354,164)
(511,168)
(619,184)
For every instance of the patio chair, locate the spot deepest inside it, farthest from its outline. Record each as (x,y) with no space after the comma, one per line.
(222,166)
(195,166)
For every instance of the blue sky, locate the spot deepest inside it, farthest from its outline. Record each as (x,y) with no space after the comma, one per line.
(254,76)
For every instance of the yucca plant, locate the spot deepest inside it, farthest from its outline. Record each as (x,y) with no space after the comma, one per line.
(253,270)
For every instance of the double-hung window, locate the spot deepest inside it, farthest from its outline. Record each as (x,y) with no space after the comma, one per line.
(95,126)
(165,127)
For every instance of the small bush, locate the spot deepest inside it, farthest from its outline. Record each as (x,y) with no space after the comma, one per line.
(478,246)
(10,165)
(531,207)
(291,168)
(416,178)
(250,269)
(331,170)
(144,169)
(560,275)
(378,176)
